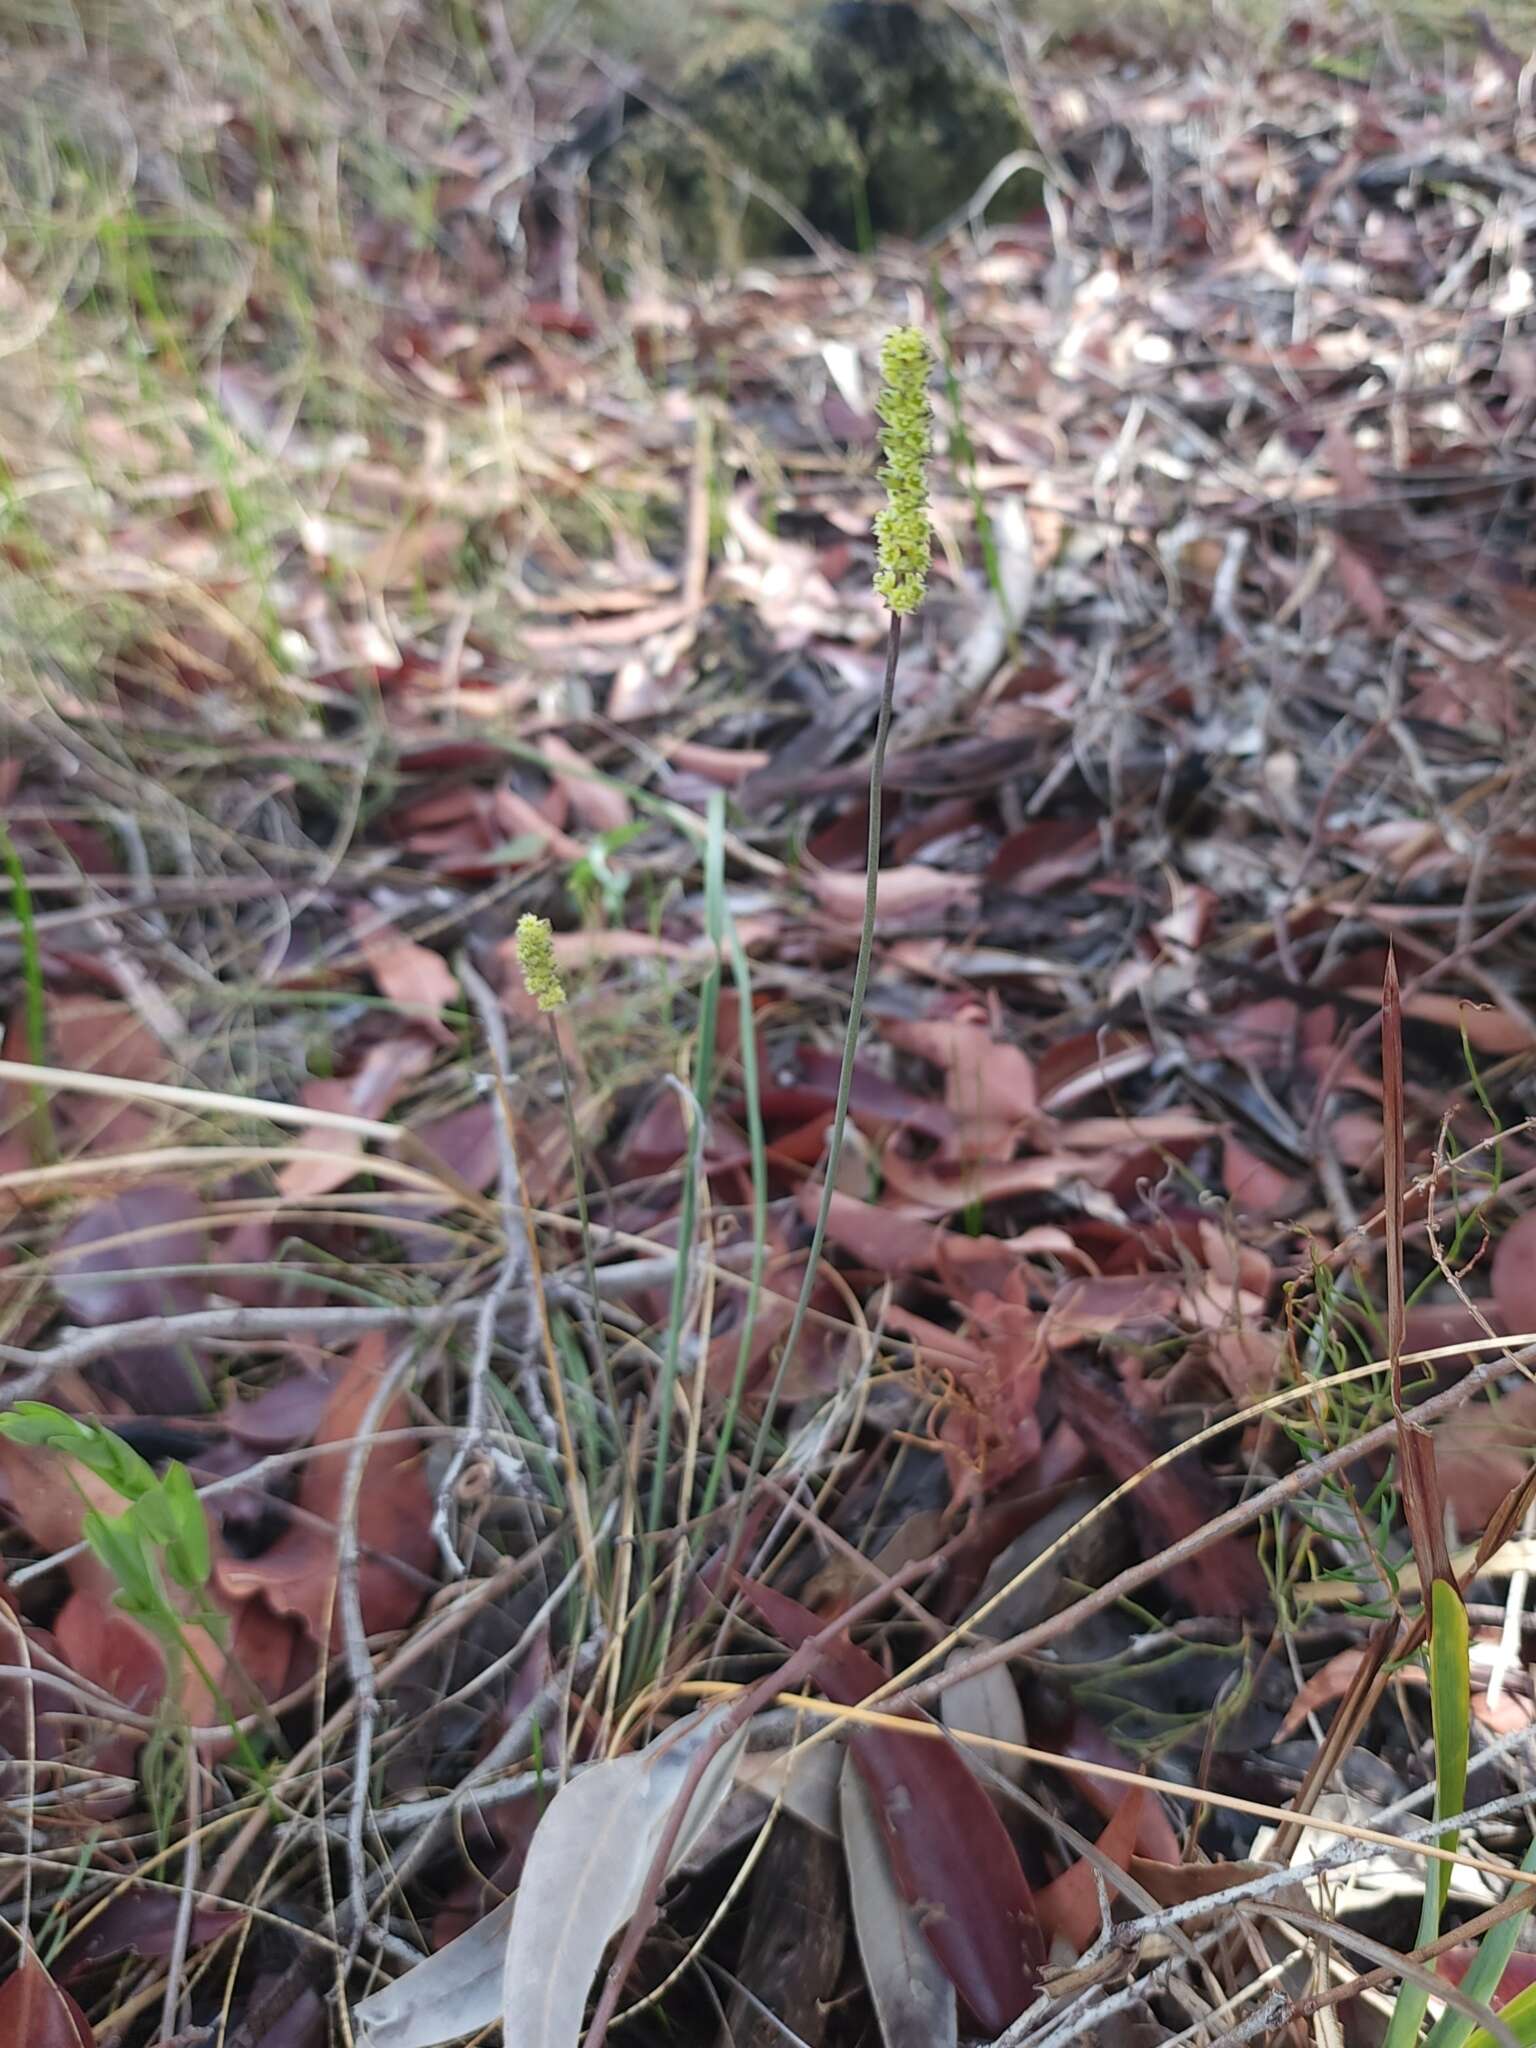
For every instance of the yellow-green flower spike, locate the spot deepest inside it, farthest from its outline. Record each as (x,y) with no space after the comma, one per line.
(536,961)
(902,530)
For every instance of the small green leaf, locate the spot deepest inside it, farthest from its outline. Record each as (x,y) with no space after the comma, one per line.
(188,1557)
(120,1547)
(101,1451)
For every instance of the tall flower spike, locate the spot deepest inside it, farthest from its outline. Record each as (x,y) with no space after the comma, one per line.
(902,529)
(536,961)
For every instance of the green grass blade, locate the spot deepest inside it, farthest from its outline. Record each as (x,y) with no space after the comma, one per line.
(34,1008)
(1450,1699)
(1450,1695)
(1520,2018)
(687,1220)
(1454,2029)
(741,974)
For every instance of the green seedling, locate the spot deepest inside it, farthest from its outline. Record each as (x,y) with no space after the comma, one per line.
(160,1541)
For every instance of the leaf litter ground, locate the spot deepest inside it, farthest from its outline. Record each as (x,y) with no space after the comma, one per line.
(370,583)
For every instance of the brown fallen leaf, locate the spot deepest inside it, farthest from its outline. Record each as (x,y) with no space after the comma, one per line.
(925,1189)
(1172,1503)
(406,972)
(89,1035)
(49,1496)
(1489,1029)
(989,1084)
(599,805)
(905,892)
(324,1160)
(1179,1884)
(36,2013)
(297,1574)
(1069,1905)
(1512,1277)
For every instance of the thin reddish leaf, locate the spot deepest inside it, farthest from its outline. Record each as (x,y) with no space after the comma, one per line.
(1069,1904)
(1519,1972)
(1513,1274)
(950,1853)
(1172,1503)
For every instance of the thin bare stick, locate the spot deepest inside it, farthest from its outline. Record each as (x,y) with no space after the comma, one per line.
(349,1606)
(241,1325)
(206,1100)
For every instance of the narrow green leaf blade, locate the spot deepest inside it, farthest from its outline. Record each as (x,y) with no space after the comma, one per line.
(1450,1696)
(1520,2018)
(1452,2029)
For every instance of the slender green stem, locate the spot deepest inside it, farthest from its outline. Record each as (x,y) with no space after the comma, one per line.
(35,1011)
(850,1049)
(573,1138)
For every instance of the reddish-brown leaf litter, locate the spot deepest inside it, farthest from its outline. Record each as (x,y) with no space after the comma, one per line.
(521,582)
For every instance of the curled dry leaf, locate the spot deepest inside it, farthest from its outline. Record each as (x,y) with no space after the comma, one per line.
(532,1961)
(988,1425)
(913,1997)
(1069,1904)
(297,1575)
(908,892)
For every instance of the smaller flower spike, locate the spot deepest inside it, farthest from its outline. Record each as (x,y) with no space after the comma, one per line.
(536,961)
